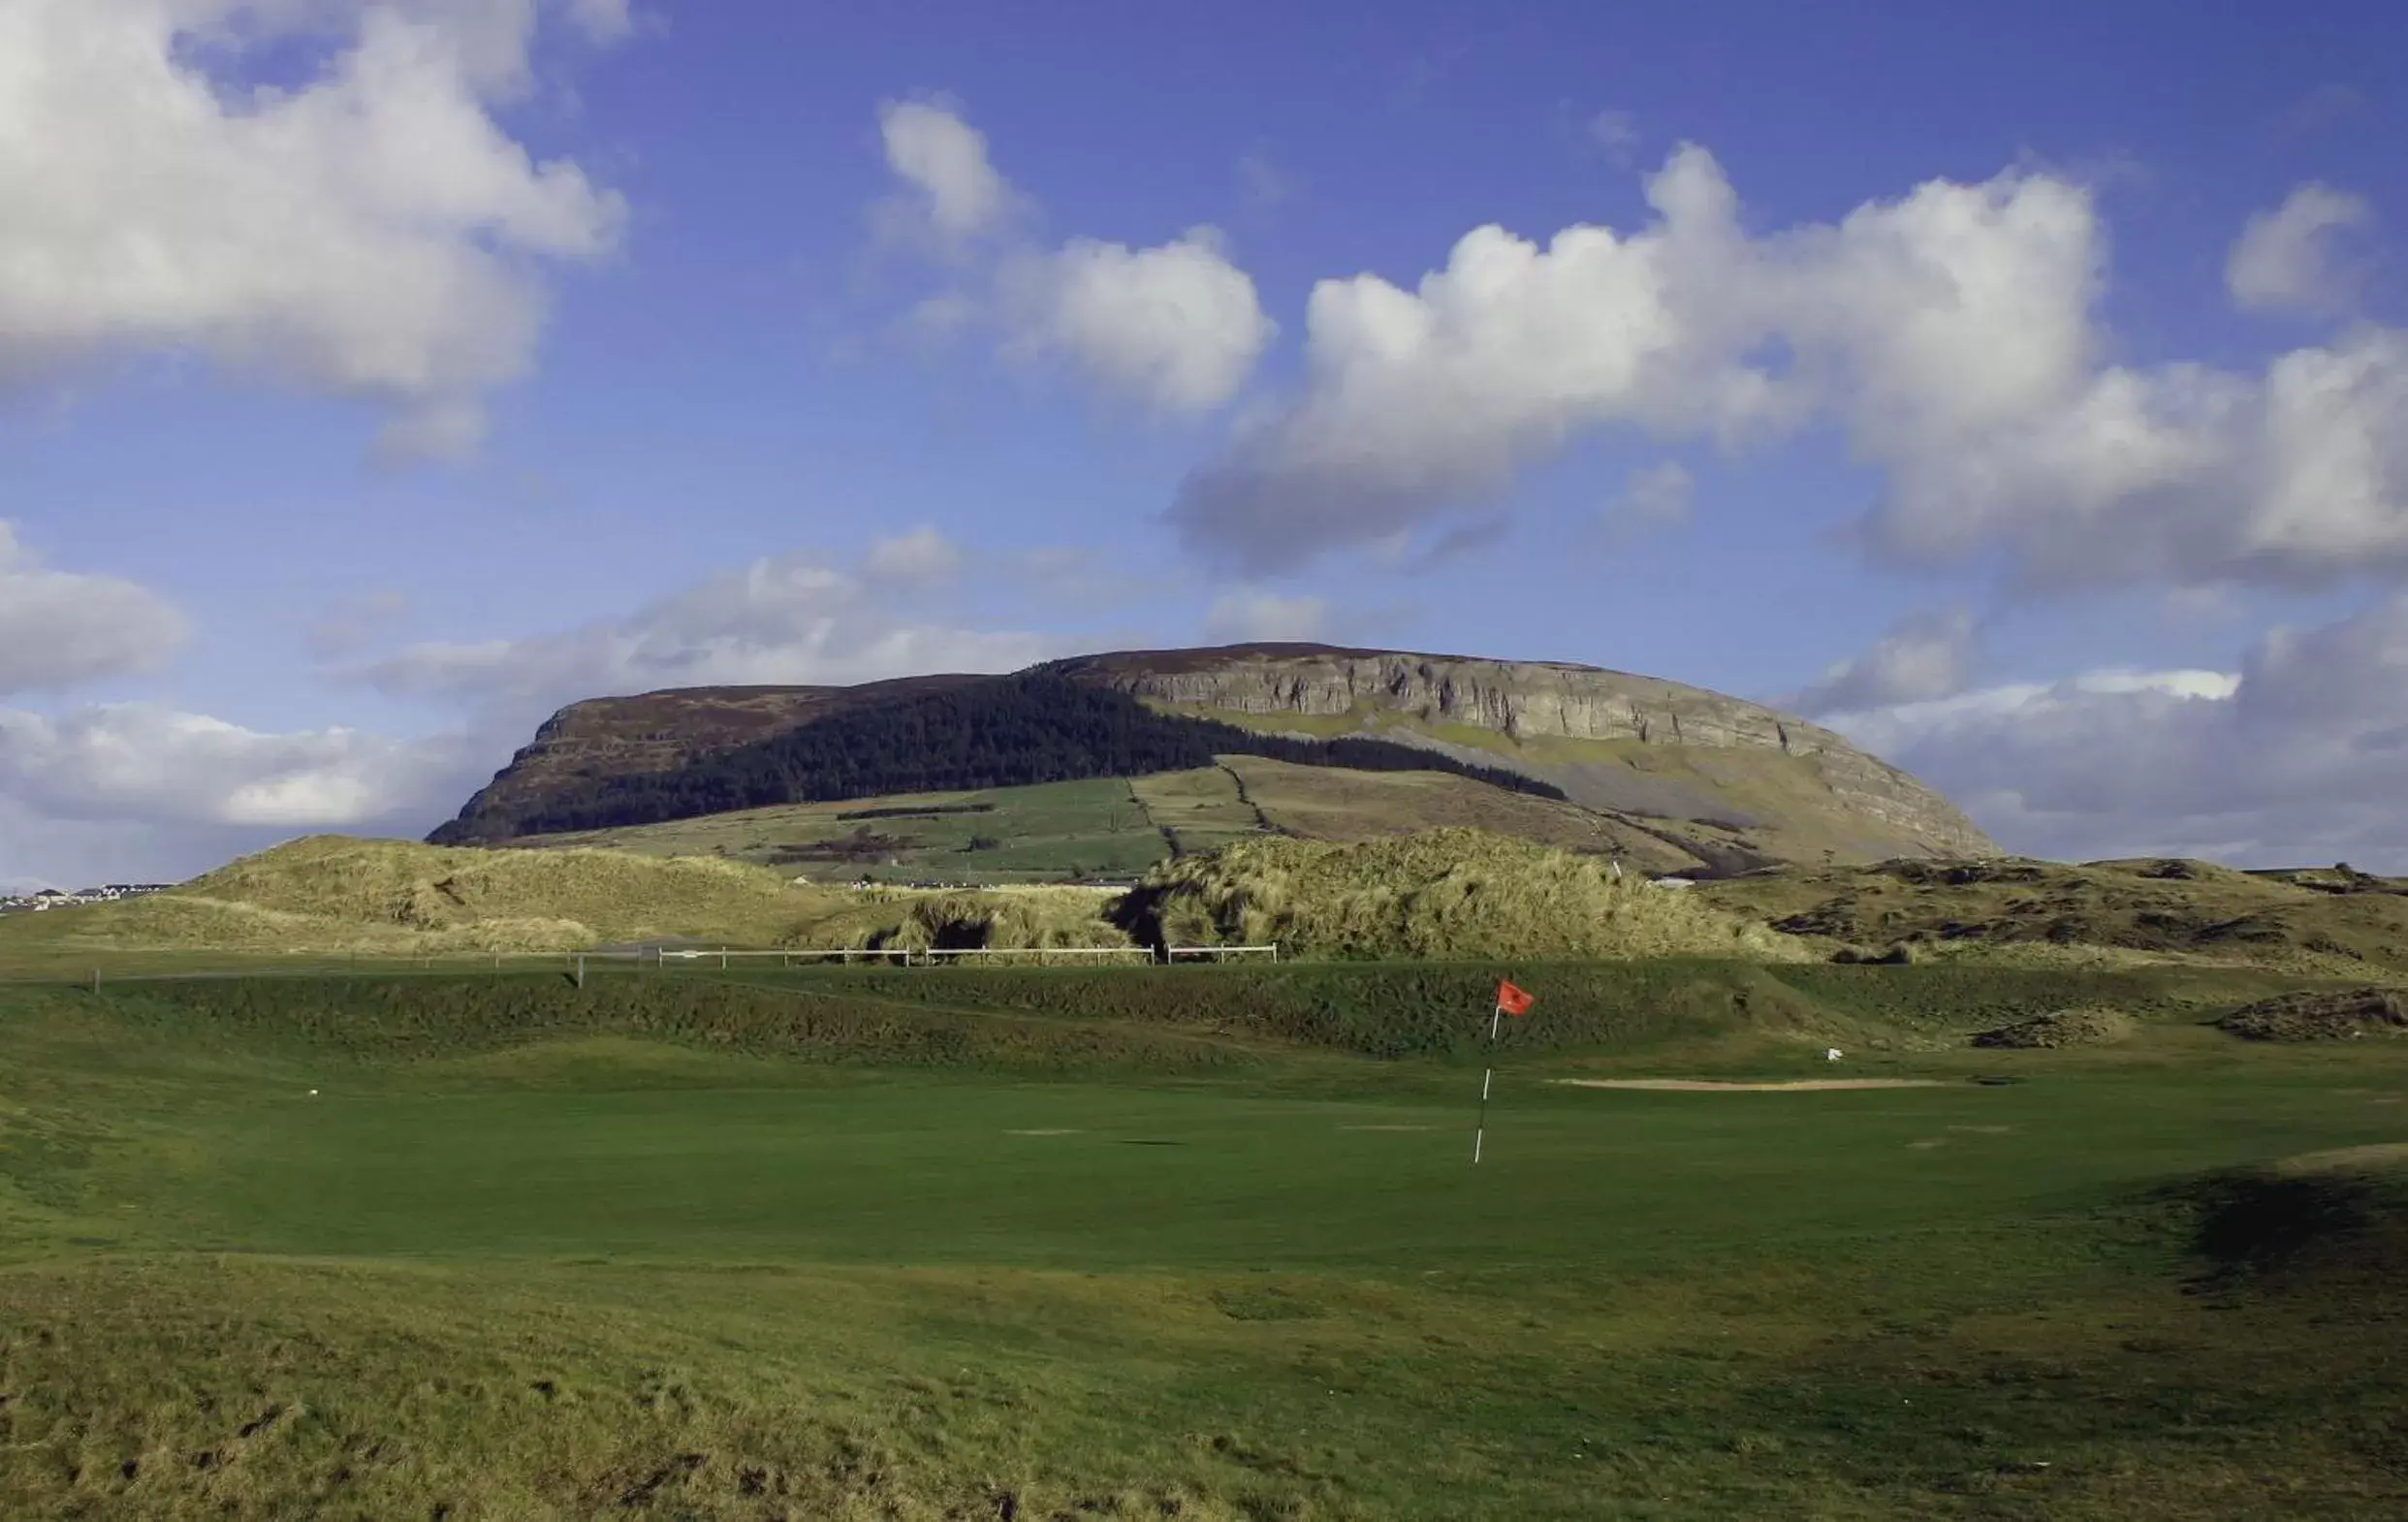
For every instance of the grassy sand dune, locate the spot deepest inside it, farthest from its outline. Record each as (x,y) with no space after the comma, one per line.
(2014,909)
(1441,893)
(340,896)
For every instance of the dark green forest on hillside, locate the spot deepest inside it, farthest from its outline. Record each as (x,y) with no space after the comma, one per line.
(1033,727)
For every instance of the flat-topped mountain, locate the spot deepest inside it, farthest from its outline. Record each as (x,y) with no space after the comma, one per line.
(1692,779)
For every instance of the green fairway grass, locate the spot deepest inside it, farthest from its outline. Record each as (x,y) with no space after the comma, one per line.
(1193,1242)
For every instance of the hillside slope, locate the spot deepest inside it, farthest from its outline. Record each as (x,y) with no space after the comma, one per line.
(2303,921)
(1636,747)
(1114,828)
(1715,782)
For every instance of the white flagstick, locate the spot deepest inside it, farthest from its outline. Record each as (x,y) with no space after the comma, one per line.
(1490,1071)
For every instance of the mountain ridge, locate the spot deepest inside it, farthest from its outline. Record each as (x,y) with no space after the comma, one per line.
(1748,784)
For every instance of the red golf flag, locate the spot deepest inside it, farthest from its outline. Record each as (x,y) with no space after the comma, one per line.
(1513,1000)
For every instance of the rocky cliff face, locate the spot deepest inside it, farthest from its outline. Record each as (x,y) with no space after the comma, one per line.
(1522,701)
(650,731)
(1729,782)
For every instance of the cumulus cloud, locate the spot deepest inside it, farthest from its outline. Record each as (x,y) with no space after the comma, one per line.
(2283,260)
(61,629)
(1177,327)
(1928,657)
(1949,335)
(1177,324)
(1249,614)
(2299,756)
(952,191)
(143,762)
(371,232)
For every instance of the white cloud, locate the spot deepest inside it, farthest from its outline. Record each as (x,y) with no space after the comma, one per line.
(369,233)
(1420,401)
(1950,333)
(1177,324)
(954,193)
(603,21)
(923,557)
(1251,614)
(2299,756)
(783,620)
(1615,134)
(139,761)
(1927,658)
(1655,499)
(2283,260)
(60,629)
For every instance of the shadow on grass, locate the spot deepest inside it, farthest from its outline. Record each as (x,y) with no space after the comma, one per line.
(2259,1228)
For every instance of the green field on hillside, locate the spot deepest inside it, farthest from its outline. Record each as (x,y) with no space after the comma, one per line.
(1045,833)
(1117,827)
(1202,1243)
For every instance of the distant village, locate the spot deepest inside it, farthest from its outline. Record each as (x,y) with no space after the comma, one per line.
(53,898)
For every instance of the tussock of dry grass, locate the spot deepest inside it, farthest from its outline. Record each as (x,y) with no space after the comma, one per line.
(1007,918)
(2034,912)
(333,894)
(2338,1016)
(2059,1028)
(1442,892)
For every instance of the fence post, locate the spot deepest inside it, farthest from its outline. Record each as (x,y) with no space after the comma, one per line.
(581,972)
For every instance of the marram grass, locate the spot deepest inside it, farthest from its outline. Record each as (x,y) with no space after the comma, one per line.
(1440,894)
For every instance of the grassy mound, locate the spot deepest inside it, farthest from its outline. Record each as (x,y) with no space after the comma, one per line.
(2320,1017)
(2013,909)
(337,895)
(1442,892)
(334,893)
(2060,1028)
(1013,919)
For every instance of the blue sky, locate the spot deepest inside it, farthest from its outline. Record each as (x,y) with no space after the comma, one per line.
(2020,393)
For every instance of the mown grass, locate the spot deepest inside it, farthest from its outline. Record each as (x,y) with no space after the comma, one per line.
(1067,1242)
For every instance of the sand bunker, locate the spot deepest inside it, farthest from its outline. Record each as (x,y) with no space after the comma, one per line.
(1716,1085)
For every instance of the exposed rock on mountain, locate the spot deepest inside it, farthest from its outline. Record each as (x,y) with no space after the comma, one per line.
(1725,784)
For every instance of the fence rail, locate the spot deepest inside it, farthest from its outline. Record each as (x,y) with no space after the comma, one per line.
(149,970)
(1174,953)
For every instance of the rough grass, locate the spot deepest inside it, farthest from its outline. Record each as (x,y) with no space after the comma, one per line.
(1003,918)
(1319,803)
(331,895)
(2018,909)
(1441,893)
(2337,1015)
(674,1261)
(2061,1028)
